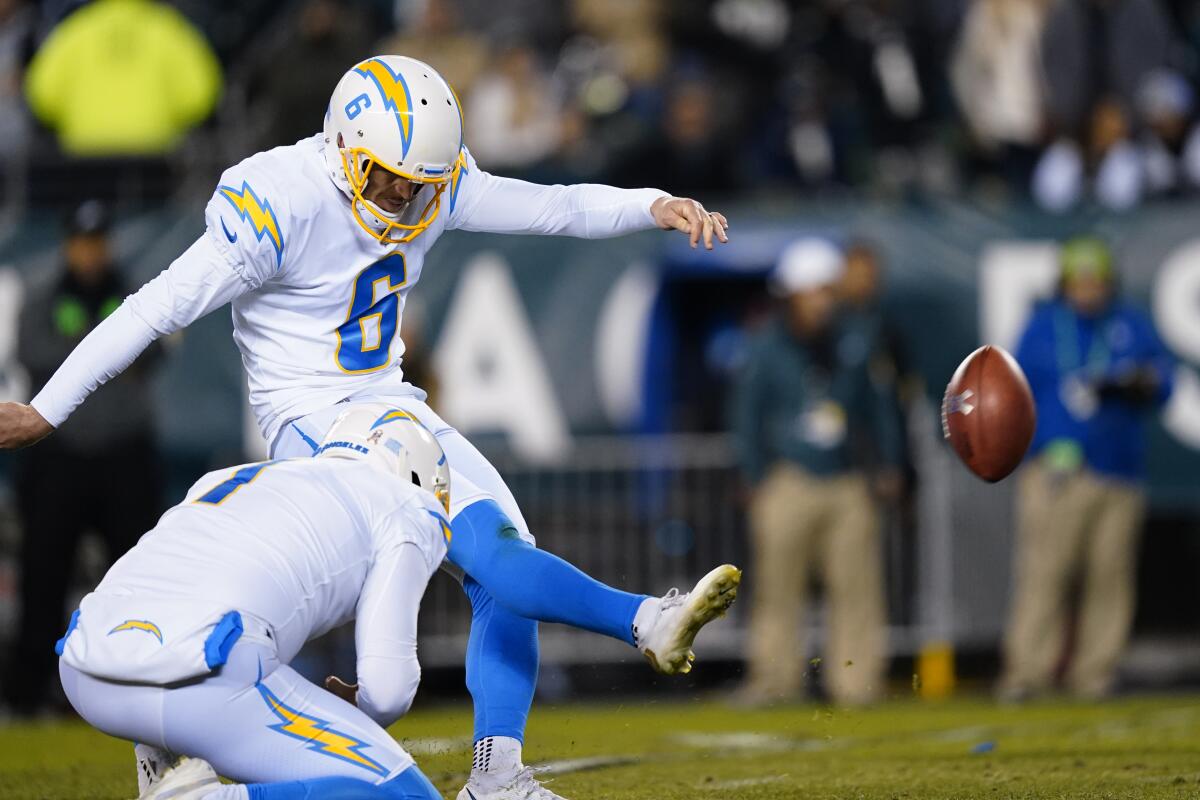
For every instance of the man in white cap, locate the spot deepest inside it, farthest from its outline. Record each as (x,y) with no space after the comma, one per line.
(804,411)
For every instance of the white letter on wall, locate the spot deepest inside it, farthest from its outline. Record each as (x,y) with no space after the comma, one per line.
(1177,315)
(1012,276)
(492,376)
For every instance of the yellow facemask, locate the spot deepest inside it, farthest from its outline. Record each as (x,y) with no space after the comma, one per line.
(358,163)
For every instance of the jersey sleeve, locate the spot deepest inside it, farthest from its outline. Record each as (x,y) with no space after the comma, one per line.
(411,546)
(248,223)
(480,201)
(385,634)
(419,521)
(197,282)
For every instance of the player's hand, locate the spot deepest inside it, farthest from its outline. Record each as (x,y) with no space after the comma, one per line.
(687,215)
(346,691)
(21,425)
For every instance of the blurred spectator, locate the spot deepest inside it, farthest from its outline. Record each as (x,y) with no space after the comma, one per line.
(328,37)
(1096,51)
(1097,56)
(689,153)
(890,368)
(803,397)
(997,79)
(1109,169)
(437,37)
(1096,367)
(513,114)
(583,154)
(16,29)
(1171,143)
(633,31)
(123,78)
(541,20)
(99,472)
(878,99)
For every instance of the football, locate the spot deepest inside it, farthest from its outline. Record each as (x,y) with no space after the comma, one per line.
(988,413)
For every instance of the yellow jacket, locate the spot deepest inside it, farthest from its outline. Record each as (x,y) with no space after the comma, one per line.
(123,77)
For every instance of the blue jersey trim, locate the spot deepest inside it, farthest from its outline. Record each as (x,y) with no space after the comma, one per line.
(61,644)
(307,439)
(222,639)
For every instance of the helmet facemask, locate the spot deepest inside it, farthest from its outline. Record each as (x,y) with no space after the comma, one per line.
(357,162)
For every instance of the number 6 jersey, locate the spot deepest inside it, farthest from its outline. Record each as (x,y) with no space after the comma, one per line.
(317,301)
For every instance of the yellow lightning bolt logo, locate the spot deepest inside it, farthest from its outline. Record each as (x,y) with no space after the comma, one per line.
(392,416)
(318,734)
(139,625)
(395,96)
(258,212)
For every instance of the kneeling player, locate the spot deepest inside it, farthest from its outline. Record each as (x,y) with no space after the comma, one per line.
(292,542)
(185,644)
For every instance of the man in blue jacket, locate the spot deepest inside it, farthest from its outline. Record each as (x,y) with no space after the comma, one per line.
(1096,367)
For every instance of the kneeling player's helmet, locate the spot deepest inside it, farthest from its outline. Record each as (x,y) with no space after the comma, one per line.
(393,441)
(397,114)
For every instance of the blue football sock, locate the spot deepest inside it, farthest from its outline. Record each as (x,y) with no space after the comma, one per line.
(533,583)
(408,785)
(502,665)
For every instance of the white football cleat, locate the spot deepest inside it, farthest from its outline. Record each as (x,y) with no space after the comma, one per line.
(522,787)
(190,779)
(667,640)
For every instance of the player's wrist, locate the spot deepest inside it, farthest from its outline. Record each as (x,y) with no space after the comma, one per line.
(658,210)
(35,421)
(22,425)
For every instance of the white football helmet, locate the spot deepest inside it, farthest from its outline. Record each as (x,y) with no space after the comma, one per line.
(397,114)
(392,441)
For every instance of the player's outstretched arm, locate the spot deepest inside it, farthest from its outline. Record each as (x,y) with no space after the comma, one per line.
(488,203)
(197,282)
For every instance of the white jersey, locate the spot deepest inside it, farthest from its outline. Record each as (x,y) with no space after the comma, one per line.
(303,545)
(317,302)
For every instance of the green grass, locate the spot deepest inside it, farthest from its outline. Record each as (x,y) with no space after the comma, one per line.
(1135,748)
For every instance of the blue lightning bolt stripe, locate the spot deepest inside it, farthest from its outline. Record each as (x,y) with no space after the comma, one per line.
(258,212)
(396,97)
(321,738)
(139,625)
(460,170)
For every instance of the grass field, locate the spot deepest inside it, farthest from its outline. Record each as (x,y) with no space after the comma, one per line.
(1135,748)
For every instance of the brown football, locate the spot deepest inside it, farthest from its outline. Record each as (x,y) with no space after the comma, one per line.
(988,413)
